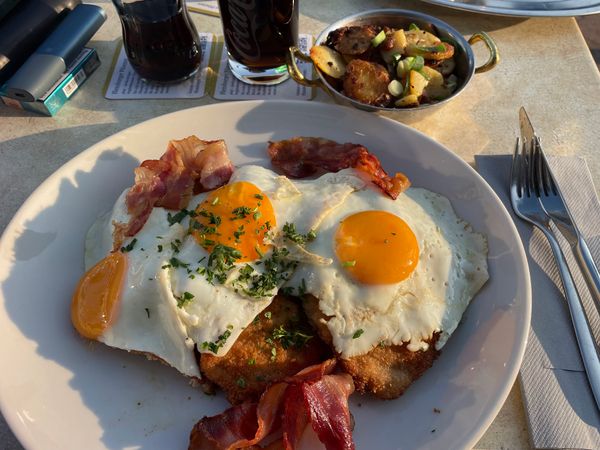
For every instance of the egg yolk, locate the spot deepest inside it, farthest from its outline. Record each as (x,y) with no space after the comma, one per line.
(95,301)
(236,215)
(376,247)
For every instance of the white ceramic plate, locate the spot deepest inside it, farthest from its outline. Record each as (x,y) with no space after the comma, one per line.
(59,391)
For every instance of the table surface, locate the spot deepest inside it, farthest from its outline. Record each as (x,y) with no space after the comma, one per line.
(546,67)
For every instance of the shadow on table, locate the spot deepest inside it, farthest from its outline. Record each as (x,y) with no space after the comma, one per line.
(50,242)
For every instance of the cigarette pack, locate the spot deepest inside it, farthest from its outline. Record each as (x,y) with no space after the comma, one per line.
(64,88)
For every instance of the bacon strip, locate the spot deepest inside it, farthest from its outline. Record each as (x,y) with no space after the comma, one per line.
(312,396)
(300,157)
(188,166)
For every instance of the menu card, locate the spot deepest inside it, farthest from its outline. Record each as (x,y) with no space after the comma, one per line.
(125,83)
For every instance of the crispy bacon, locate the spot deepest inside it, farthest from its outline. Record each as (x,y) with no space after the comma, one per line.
(312,396)
(327,403)
(188,166)
(300,157)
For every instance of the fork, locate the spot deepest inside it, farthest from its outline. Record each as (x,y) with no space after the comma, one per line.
(529,178)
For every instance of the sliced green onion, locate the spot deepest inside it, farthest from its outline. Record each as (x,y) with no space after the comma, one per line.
(432,49)
(404,66)
(396,57)
(349,263)
(413,27)
(395,88)
(378,39)
(419,63)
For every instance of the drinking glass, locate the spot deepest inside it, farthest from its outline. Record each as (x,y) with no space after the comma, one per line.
(160,39)
(258,34)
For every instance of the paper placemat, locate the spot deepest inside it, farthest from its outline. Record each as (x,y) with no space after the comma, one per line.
(559,403)
(230,88)
(125,83)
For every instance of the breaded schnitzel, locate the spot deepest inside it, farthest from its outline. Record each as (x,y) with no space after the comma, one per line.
(386,371)
(279,343)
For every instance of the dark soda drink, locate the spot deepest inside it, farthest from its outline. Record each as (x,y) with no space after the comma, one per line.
(160,40)
(258,33)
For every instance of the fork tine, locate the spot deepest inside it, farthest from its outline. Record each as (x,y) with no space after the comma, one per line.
(516,169)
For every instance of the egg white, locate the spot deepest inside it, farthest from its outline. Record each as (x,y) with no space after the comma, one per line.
(147,319)
(218,313)
(452,267)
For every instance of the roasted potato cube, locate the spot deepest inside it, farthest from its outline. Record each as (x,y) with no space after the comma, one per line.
(437,87)
(416,83)
(408,100)
(396,45)
(353,40)
(421,38)
(367,82)
(328,61)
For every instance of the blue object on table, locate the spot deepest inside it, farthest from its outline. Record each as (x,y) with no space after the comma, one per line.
(59,50)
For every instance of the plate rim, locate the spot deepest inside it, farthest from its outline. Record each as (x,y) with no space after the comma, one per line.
(482,424)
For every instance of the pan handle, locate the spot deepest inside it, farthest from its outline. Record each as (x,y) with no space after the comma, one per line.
(295,72)
(494,58)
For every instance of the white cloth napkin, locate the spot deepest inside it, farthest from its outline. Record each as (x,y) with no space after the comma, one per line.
(558,401)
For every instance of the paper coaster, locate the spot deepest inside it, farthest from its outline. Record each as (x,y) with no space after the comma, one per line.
(230,88)
(125,83)
(208,7)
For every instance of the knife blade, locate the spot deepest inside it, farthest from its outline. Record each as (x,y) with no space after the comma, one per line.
(556,207)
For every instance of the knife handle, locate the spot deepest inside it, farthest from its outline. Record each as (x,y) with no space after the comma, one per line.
(588,268)
(585,339)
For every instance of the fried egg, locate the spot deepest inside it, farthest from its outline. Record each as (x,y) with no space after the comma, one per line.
(246,216)
(198,277)
(401,270)
(125,299)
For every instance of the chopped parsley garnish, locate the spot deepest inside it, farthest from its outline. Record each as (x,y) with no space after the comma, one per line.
(258,196)
(147,312)
(289,338)
(177,217)
(160,247)
(220,342)
(241,212)
(186,297)
(349,263)
(238,233)
(175,262)
(273,353)
(257,215)
(251,361)
(241,382)
(276,269)
(290,233)
(268,315)
(221,261)
(129,246)
(175,246)
(302,288)
(287,290)
(358,333)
